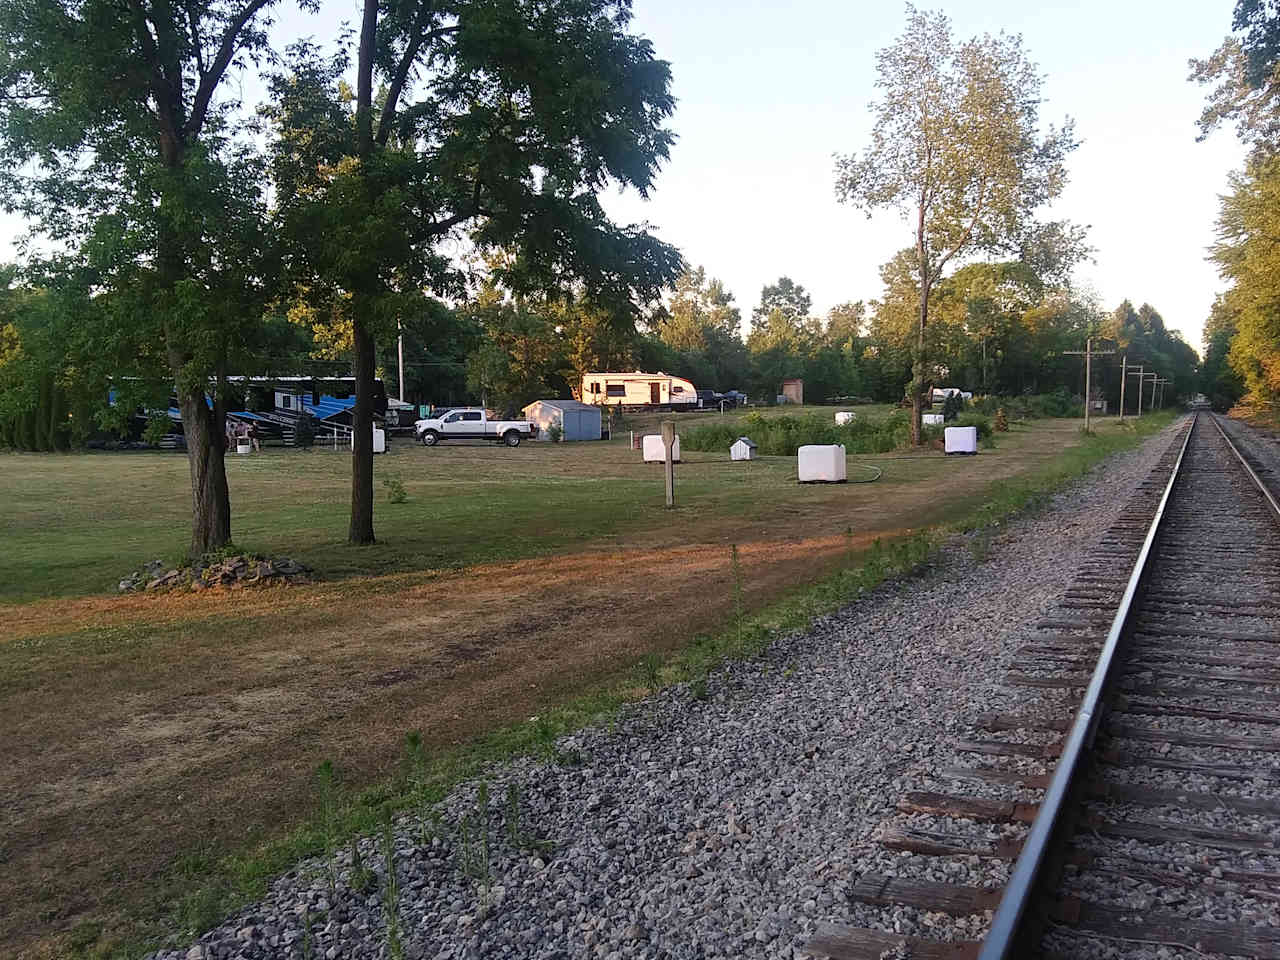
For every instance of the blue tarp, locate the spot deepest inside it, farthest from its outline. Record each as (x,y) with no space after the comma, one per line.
(329,406)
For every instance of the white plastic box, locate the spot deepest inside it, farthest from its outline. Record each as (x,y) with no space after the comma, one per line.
(821,463)
(931,419)
(845,416)
(655,452)
(961,439)
(379,440)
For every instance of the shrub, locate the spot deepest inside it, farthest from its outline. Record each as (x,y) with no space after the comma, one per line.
(555,433)
(158,426)
(952,407)
(1002,421)
(395,489)
(783,436)
(1032,406)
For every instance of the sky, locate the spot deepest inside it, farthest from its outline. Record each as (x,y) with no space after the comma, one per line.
(768,92)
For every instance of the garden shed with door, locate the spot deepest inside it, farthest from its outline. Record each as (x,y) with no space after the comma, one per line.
(576,420)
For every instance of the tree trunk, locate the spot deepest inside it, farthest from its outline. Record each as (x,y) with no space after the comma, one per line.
(205,431)
(362,449)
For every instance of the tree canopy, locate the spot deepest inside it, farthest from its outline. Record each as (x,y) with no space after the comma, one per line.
(495,126)
(956,147)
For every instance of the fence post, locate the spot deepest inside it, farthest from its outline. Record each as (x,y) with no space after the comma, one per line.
(668,441)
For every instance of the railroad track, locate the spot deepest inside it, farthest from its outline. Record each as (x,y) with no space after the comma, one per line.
(1127,798)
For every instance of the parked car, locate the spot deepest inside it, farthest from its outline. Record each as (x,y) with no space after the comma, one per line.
(472,423)
(735,398)
(709,399)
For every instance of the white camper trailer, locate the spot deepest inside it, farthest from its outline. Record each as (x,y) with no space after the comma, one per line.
(659,390)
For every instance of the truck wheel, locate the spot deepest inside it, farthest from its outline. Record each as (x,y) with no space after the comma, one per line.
(430,438)
(511,438)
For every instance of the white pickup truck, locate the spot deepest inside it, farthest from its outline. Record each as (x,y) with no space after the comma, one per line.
(471,423)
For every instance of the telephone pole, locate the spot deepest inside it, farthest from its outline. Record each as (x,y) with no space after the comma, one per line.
(1088,353)
(1124,361)
(1142,376)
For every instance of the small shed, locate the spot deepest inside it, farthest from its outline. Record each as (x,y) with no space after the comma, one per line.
(576,420)
(742,449)
(793,390)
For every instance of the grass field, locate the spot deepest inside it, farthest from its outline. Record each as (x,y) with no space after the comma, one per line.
(153,740)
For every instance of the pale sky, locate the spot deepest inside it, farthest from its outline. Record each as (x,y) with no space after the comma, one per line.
(768,92)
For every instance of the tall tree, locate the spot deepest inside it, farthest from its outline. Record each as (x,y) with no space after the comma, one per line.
(701,310)
(956,146)
(1247,256)
(785,301)
(117,142)
(492,122)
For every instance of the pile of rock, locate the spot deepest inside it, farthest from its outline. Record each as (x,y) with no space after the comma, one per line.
(239,570)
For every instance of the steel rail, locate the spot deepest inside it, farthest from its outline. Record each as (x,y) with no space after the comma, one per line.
(1001,939)
(1248,469)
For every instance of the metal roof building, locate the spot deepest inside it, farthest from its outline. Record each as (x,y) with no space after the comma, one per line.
(577,420)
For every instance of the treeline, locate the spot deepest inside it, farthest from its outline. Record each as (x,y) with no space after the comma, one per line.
(1242,332)
(998,329)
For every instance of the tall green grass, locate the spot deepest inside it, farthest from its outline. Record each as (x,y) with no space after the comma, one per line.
(783,436)
(1035,406)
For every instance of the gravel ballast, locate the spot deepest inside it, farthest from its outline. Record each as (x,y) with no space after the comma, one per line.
(721,827)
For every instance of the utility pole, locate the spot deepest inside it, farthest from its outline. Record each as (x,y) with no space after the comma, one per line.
(1154,378)
(1088,353)
(400,356)
(1123,372)
(1140,375)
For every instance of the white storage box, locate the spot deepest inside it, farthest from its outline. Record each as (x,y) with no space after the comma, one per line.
(932,419)
(243,446)
(845,416)
(961,439)
(379,440)
(821,463)
(655,452)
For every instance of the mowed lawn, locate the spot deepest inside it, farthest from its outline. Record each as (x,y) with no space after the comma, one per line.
(78,523)
(146,733)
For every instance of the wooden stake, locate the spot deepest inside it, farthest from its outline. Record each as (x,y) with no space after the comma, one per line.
(668,441)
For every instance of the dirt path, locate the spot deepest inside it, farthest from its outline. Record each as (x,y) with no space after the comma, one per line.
(193,723)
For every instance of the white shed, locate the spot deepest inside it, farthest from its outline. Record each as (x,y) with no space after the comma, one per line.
(576,420)
(742,449)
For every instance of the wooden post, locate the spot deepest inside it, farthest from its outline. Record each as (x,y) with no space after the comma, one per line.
(1124,371)
(668,441)
(1141,377)
(1088,377)
(1154,376)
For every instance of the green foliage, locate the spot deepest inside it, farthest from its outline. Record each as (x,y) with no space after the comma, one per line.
(956,144)
(1247,255)
(1059,403)
(118,147)
(952,407)
(392,937)
(555,433)
(782,436)
(158,425)
(394,486)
